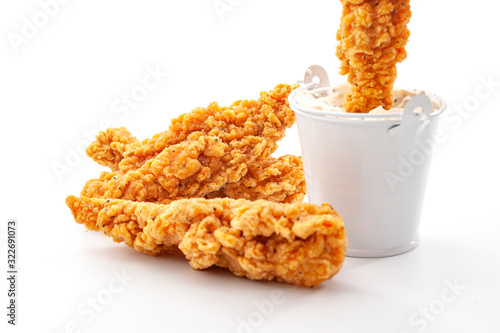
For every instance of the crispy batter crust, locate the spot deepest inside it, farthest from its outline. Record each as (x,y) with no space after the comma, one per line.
(302,243)
(277,180)
(192,168)
(268,117)
(109,147)
(219,147)
(373,35)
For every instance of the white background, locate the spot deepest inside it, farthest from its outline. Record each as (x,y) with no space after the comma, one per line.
(66,78)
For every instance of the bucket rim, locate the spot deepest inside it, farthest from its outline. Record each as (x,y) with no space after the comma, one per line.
(345,117)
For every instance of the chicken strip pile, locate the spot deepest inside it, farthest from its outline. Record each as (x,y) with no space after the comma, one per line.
(212,156)
(373,35)
(207,152)
(302,243)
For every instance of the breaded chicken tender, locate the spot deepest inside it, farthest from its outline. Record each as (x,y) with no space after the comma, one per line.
(267,117)
(193,168)
(373,35)
(302,243)
(277,180)
(218,148)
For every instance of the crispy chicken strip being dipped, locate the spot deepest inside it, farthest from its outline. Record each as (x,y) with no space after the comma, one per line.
(302,243)
(373,35)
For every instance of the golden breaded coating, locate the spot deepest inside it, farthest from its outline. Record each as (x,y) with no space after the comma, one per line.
(278,180)
(109,147)
(268,117)
(302,243)
(373,35)
(193,168)
(241,138)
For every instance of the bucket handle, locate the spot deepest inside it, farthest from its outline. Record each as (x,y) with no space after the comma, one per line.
(319,72)
(404,135)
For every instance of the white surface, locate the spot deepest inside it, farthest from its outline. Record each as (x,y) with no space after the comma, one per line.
(70,77)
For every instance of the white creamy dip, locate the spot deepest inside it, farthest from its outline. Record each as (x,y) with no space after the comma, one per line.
(332,99)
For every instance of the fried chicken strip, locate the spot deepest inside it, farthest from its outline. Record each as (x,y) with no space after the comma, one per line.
(202,164)
(268,117)
(109,147)
(193,168)
(373,35)
(302,243)
(277,180)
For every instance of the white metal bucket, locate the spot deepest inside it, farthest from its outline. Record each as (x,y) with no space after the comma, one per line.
(372,168)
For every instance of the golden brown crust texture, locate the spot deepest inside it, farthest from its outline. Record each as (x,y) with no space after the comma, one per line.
(267,117)
(213,152)
(373,35)
(277,180)
(109,147)
(302,243)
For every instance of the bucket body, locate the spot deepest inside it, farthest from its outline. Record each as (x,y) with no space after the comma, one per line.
(372,170)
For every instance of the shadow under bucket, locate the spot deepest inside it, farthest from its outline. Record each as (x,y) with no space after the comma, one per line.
(372,168)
